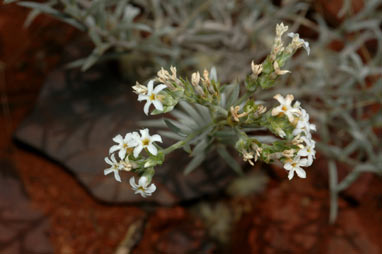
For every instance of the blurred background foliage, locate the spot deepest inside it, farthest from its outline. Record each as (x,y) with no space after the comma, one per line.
(339,83)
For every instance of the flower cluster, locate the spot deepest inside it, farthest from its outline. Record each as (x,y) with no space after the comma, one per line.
(129,150)
(216,116)
(305,152)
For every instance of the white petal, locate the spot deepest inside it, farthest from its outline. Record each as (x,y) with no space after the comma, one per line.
(291,174)
(132,183)
(150,87)
(158,105)
(306,47)
(152,149)
(107,160)
(118,139)
(279,98)
(139,191)
(151,188)
(143,97)
(147,107)
(276,111)
(142,181)
(122,154)
(288,166)
(137,150)
(301,173)
(114,148)
(302,152)
(108,171)
(288,99)
(144,133)
(113,158)
(116,176)
(159,88)
(290,116)
(156,138)
(303,162)
(291,35)
(134,139)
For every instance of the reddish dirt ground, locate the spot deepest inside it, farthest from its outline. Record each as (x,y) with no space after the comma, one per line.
(289,217)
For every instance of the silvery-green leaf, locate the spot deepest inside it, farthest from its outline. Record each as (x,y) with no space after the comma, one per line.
(200,147)
(194,163)
(171,135)
(185,120)
(49,10)
(222,151)
(31,16)
(173,127)
(130,13)
(159,123)
(232,94)
(191,111)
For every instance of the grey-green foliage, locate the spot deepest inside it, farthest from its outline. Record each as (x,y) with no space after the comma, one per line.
(183,32)
(229,34)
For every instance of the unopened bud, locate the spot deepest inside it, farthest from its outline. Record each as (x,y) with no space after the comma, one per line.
(256,69)
(139,89)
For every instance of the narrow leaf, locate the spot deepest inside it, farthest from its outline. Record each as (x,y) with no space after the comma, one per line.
(222,151)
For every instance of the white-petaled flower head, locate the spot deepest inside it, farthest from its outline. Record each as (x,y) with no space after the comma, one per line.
(303,125)
(146,141)
(124,144)
(295,166)
(285,107)
(152,96)
(308,150)
(297,42)
(114,167)
(142,187)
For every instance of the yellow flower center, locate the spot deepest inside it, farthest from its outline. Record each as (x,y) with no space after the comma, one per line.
(284,108)
(146,141)
(152,97)
(129,150)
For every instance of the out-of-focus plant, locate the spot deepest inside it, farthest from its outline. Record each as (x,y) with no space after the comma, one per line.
(146,35)
(217,117)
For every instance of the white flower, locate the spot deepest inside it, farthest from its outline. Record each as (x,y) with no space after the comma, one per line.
(299,42)
(303,125)
(308,150)
(295,166)
(142,186)
(115,167)
(152,96)
(285,107)
(130,140)
(146,141)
